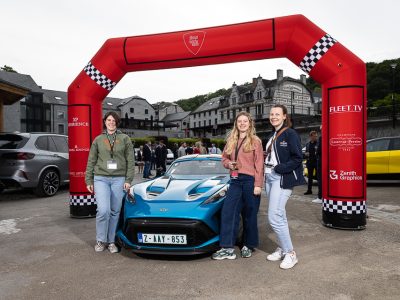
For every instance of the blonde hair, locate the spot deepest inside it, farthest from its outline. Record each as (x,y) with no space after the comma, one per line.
(233,136)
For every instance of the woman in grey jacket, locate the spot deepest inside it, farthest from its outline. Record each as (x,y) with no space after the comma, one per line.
(283,171)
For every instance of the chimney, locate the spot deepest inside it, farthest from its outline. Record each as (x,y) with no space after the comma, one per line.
(279,74)
(303,79)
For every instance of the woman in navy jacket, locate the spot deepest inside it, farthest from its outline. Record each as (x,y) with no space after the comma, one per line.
(283,171)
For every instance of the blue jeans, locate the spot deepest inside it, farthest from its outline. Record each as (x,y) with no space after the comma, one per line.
(240,200)
(109,192)
(277,211)
(146,170)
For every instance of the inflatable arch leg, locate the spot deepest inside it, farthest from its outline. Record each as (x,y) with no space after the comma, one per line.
(341,73)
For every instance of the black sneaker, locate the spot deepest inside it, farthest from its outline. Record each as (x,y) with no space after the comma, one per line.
(246,252)
(223,254)
(308,193)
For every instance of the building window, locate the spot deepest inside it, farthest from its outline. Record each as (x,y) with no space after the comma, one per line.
(199,123)
(60,115)
(222,115)
(132,110)
(209,122)
(248,109)
(204,114)
(61,129)
(233,113)
(228,115)
(233,100)
(209,112)
(204,123)
(259,94)
(215,121)
(146,111)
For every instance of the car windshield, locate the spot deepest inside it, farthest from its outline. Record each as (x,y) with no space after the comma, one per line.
(197,167)
(12,141)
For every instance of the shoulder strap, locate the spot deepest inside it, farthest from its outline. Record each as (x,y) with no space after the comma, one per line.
(275,138)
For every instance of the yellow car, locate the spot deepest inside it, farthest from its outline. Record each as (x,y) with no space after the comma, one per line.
(383,157)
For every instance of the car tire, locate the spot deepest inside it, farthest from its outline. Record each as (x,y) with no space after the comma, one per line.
(49,183)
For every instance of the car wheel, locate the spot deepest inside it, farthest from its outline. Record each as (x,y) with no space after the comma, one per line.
(49,183)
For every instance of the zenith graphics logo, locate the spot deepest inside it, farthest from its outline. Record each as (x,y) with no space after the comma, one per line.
(194,41)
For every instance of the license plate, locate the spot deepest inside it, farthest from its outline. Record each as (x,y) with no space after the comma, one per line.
(157,238)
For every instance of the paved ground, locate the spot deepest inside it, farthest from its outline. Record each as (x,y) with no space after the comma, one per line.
(44,254)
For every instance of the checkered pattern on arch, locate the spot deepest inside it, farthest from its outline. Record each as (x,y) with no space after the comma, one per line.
(344,207)
(98,77)
(81,200)
(316,52)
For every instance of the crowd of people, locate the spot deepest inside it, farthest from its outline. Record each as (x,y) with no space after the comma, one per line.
(278,168)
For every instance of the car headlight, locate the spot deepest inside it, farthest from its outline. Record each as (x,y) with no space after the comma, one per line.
(130,195)
(217,196)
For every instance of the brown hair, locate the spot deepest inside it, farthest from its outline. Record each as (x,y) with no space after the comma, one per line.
(114,115)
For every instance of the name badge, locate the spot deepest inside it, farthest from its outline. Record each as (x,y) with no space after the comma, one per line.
(111,164)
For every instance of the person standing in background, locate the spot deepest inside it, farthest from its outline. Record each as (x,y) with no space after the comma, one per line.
(311,162)
(319,168)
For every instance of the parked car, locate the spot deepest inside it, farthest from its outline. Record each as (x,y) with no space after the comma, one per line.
(177,213)
(383,157)
(170,157)
(34,160)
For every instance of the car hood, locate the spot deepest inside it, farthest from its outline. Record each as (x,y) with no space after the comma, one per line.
(182,188)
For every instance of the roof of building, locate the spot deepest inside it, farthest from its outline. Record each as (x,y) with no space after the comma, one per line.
(125,101)
(208,105)
(59,97)
(20,80)
(175,116)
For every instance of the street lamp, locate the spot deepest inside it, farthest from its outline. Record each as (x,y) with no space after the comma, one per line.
(394,65)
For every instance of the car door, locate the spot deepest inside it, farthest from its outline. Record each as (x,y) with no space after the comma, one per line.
(61,152)
(394,160)
(378,156)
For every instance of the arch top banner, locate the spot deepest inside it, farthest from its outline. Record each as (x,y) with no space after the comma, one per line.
(341,74)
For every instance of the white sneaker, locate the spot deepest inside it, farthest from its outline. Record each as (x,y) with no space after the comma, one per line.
(289,261)
(317,200)
(99,247)
(113,248)
(276,256)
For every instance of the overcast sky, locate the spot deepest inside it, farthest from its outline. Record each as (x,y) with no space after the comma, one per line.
(53,40)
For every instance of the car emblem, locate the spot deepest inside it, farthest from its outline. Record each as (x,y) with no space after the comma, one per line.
(163,209)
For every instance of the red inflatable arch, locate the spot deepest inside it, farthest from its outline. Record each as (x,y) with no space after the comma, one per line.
(341,73)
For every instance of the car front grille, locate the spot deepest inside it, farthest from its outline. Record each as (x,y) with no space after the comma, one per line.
(196,231)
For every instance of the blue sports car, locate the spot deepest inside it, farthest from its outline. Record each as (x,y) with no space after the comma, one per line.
(177,213)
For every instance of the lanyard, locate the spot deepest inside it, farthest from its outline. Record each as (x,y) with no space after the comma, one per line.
(238,148)
(114,137)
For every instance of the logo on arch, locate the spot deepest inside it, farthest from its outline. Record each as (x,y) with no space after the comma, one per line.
(194,41)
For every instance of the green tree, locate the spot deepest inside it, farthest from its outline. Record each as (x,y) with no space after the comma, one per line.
(8,69)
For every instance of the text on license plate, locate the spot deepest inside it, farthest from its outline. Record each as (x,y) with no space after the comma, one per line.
(156,238)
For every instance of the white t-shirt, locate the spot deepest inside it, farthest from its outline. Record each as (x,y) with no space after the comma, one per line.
(271,158)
